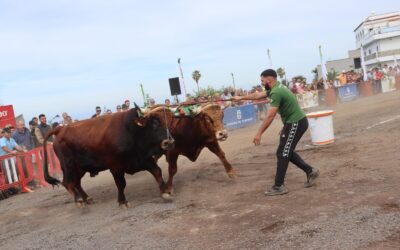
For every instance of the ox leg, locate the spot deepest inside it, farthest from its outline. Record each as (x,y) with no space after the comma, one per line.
(86,198)
(155,170)
(216,149)
(71,182)
(119,178)
(172,159)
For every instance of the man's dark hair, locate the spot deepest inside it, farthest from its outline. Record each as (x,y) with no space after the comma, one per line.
(41,115)
(98,107)
(269,72)
(32,122)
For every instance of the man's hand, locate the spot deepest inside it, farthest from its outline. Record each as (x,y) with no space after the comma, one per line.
(257,139)
(237,98)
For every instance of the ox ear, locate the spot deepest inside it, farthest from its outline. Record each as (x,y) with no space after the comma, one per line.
(223,107)
(141,122)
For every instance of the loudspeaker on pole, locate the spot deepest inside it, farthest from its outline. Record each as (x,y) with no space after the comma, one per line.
(174,86)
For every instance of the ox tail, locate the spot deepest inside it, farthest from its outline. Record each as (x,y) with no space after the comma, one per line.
(51,180)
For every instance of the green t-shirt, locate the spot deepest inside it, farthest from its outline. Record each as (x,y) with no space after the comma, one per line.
(286,102)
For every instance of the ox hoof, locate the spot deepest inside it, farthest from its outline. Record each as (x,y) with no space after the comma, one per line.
(80,203)
(232,174)
(89,201)
(124,205)
(166,197)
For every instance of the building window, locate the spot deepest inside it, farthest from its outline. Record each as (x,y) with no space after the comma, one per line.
(369,51)
(377,48)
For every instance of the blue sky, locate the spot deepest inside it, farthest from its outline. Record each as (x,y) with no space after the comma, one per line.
(71,56)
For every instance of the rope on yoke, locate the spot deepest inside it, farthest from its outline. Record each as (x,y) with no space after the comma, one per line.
(203,102)
(169,136)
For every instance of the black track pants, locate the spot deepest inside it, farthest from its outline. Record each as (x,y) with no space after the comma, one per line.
(290,136)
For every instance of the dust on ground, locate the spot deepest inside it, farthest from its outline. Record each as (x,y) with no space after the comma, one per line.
(355,204)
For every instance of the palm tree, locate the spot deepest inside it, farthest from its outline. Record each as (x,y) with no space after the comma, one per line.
(280,72)
(196,77)
(332,75)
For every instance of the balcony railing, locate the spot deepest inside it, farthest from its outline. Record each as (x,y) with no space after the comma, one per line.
(379,31)
(382,54)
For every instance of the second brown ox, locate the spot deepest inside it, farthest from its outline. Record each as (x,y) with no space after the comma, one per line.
(192,134)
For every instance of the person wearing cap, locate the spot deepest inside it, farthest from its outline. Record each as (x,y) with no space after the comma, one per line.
(295,123)
(8,144)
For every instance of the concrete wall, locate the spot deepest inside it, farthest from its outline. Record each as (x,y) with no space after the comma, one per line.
(390,43)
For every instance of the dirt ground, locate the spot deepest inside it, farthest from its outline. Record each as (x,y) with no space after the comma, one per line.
(355,204)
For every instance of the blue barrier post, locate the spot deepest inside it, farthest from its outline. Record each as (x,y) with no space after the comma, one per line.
(348,92)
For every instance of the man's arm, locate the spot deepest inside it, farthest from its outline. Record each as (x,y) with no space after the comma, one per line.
(8,151)
(265,124)
(253,96)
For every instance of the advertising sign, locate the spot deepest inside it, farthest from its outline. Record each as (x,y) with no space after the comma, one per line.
(7,117)
(240,116)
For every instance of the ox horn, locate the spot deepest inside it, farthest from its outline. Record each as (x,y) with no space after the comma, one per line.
(138,110)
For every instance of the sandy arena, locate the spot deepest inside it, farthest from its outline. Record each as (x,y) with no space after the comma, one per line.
(355,204)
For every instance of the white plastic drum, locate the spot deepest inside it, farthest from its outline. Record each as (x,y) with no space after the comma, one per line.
(321,127)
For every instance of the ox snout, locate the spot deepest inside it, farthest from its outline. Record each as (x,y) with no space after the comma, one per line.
(167,144)
(221,135)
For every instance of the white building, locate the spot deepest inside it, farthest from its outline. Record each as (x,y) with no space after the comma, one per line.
(379,35)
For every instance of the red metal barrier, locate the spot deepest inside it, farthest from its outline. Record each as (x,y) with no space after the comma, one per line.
(20,169)
(12,173)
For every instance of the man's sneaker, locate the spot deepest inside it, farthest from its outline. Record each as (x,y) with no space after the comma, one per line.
(277,191)
(311,177)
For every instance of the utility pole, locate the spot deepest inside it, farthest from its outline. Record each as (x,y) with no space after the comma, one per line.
(183,80)
(233,81)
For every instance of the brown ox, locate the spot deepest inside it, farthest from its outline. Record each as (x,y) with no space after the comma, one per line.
(122,142)
(192,134)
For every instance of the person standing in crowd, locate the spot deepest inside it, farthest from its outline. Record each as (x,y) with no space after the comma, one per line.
(124,108)
(36,120)
(152,102)
(32,127)
(108,112)
(127,104)
(66,119)
(42,129)
(295,123)
(98,112)
(22,136)
(119,108)
(8,144)
(343,78)
(377,86)
(167,102)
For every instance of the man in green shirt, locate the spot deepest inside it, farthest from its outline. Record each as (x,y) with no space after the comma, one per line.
(295,123)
